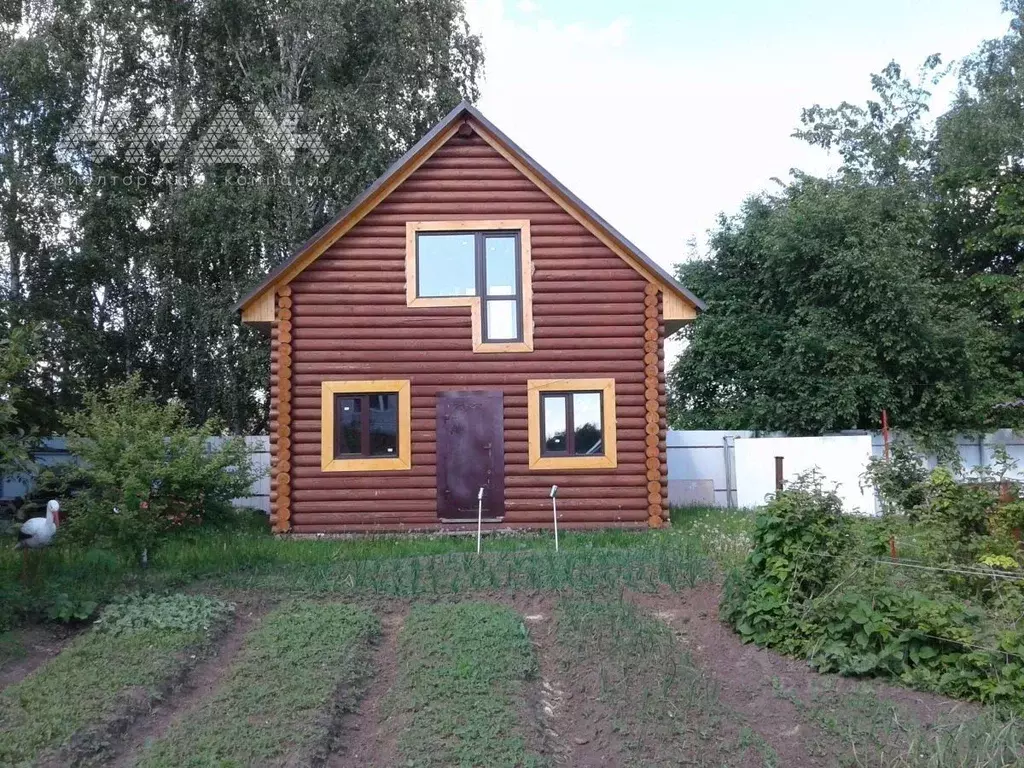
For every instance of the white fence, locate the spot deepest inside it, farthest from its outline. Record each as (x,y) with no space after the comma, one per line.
(54,451)
(737,468)
(705,467)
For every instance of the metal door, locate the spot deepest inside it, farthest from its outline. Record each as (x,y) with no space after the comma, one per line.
(470,454)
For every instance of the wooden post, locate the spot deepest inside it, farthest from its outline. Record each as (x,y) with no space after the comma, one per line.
(885,434)
(778,473)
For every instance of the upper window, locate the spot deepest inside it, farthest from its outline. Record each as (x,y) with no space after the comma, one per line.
(571,423)
(365,425)
(484,264)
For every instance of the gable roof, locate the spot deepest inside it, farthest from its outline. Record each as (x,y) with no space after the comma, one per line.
(423,149)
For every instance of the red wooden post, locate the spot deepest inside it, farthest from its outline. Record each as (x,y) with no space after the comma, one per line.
(885,433)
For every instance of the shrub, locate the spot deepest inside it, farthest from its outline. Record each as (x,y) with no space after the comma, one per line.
(146,470)
(899,480)
(952,630)
(796,540)
(957,513)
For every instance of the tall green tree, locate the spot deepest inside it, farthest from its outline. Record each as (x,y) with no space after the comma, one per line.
(138,277)
(820,315)
(893,285)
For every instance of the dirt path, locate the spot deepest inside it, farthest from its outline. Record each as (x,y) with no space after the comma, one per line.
(577,730)
(40,645)
(760,685)
(365,737)
(201,682)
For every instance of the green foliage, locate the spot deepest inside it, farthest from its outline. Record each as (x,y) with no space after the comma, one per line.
(292,666)
(899,480)
(16,432)
(938,620)
(957,513)
(796,538)
(100,676)
(462,671)
(897,283)
(141,275)
(821,314)
(147,470)
(177,612)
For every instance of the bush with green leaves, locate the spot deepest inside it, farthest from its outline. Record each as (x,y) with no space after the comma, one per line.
(899,480)
(176,612)
(797,537)
(822,587)
(146,470)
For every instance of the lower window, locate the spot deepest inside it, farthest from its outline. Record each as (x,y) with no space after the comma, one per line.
(365,426)
(571,423)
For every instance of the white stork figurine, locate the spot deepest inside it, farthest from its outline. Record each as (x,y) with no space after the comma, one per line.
(38,532)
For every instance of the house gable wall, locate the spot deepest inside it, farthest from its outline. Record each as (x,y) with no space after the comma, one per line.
(349,319)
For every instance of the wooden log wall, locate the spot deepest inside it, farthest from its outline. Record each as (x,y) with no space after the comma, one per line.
(282,447)
(594,316)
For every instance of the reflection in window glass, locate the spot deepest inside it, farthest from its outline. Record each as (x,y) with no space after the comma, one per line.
(384,425)
(500,267)
(554,424)
(502,320)
(446,264)
(586,418)
(348,418)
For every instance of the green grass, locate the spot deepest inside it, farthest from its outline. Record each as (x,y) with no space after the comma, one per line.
(666,710)
(724,535)
(12,647)
(297,672)
(872,731)
(98,677)
(70,581)
(462,672)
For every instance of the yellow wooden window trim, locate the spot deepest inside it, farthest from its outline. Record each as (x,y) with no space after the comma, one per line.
(534,387)
(473,302)
(377,464)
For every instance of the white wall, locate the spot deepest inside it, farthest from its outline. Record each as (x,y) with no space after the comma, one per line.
(840,459)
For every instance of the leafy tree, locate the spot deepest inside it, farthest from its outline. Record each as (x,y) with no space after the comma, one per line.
(16,430)
(820,315)
(895,284)
(130,278)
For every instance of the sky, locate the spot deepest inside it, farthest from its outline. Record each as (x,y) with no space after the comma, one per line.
(661,114)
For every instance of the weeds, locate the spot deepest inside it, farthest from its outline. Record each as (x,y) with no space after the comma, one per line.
(97,678)
(665,708)
(462,669)
(275,705)
(881,734)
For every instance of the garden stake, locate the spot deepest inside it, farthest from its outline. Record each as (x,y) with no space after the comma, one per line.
(479,516)
(554,512)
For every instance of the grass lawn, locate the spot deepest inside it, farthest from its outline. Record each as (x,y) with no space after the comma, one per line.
(610,652)
(299,670)
(460,694)
(103,675)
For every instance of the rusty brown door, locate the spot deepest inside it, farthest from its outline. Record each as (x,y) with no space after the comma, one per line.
(470,454)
